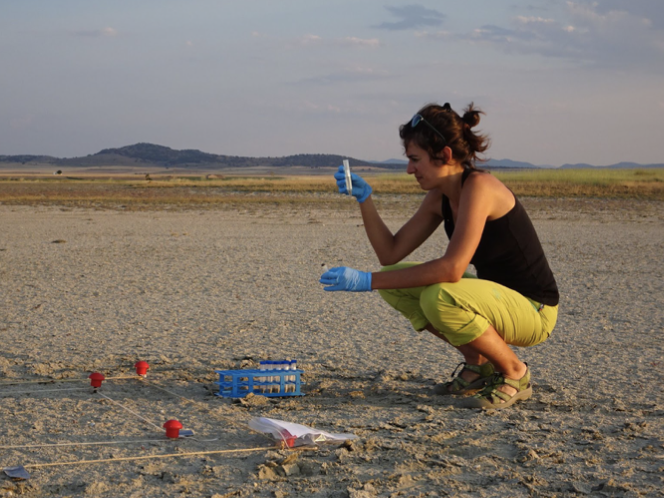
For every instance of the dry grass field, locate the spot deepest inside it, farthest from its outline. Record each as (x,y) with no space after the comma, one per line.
(156,191)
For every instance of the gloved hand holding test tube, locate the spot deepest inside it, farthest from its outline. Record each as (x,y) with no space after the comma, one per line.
(343,278)
(352,184)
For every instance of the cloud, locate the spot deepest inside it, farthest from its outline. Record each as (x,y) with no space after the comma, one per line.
(531,7)
(652,10)
(587,32)
(309,40)
(533,20)
(360,42)
(109,32)
(327,108)
(97,33)
(411,17)
(348,75)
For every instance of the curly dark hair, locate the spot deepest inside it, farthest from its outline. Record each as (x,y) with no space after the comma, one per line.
(441,126)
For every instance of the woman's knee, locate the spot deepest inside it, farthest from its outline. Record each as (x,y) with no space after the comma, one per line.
(457,324)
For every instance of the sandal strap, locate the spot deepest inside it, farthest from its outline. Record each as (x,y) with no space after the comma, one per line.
(485,370)
(458,383)
(492,392)
(457,368)
(498,396)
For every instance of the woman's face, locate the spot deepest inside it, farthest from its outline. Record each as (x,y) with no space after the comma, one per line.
(427,171)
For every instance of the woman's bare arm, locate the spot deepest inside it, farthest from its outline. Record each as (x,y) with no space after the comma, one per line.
(390,248)
(479,199)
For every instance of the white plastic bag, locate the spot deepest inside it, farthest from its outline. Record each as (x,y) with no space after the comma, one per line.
(294,435)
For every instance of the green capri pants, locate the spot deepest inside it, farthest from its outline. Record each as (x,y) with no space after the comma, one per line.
(462,311)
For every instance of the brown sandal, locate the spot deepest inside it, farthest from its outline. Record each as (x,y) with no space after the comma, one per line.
(459,385)
(493,398)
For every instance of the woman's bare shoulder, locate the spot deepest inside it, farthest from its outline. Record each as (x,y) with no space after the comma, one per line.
(485,181)
(495,194)
(433,201)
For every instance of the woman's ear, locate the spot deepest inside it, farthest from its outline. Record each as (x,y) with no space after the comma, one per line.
(446,155)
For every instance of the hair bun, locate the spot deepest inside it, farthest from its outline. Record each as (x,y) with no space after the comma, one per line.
(471,117)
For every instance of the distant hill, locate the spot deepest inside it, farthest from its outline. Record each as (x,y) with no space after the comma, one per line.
(508,163)
(622,165)
(25,159)
(159,154)
(146,154)
(392,162)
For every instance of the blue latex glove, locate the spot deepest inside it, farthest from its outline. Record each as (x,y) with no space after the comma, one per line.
(361,189)
(346,279)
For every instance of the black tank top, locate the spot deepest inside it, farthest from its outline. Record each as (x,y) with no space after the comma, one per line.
(510,253)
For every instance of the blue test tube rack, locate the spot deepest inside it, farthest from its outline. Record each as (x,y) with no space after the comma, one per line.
(270,383)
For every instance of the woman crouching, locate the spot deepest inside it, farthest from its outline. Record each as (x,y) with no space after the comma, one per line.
(513,299)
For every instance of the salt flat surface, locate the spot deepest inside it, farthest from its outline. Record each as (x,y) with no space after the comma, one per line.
(194,291)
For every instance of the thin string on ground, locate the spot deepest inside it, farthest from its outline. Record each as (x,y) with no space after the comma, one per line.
(147,457)
(45,391)
(89,443)
(152,384)
(131,411)
(228,419)
(54,381)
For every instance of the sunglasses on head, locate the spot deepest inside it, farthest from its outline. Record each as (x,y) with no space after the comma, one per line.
(417,119)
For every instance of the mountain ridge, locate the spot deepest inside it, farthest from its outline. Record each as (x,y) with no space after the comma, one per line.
(147,154)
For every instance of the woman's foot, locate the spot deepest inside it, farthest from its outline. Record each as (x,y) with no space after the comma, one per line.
(501,392)
(470,379)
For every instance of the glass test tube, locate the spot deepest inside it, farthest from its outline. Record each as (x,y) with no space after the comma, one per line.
(280,368)
(261,378)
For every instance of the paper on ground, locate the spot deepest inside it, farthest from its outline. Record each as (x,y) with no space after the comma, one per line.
(293,434)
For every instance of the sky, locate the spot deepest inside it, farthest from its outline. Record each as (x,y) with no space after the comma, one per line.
(560,81)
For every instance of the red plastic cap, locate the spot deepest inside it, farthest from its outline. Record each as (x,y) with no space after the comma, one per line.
(287,438)
(173,428)
(142,367)
(95,379)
